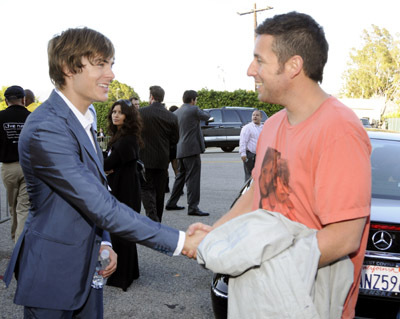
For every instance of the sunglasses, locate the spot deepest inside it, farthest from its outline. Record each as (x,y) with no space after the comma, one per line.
(127,102)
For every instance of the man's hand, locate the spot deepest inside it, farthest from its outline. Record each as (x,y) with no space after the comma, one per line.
(194,235)
(198,226)
(244,158)
(112,266)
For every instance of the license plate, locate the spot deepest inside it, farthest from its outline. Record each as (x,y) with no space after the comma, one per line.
(380,278)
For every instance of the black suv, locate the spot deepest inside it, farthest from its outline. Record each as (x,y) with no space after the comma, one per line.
(224,131)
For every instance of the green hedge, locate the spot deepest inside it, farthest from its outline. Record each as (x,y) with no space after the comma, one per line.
(210,99)
(207,99)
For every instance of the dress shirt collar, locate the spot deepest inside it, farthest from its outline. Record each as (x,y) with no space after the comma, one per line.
(86,119)
(255,125)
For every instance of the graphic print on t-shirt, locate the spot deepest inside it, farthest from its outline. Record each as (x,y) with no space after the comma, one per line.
(274,183)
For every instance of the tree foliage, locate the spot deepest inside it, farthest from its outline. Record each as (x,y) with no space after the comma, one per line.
(208,99)
(3,104)
(374,70)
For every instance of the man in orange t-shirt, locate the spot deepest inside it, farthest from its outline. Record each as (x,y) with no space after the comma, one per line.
(313,156)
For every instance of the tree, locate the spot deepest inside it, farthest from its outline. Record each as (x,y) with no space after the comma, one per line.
(374,70)
(119,91)
(3,104)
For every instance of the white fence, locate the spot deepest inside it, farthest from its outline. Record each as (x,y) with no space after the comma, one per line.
(393,124)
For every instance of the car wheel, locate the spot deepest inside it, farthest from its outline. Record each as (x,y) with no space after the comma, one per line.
(228,149)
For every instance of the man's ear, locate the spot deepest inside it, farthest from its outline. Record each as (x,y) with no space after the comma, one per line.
(67,71)
(294,65)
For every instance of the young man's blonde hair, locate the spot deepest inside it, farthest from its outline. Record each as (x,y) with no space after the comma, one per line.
(68,49)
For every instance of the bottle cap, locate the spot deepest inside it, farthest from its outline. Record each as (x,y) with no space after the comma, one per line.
(105,253)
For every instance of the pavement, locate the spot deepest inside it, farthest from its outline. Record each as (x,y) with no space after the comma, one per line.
(168,287)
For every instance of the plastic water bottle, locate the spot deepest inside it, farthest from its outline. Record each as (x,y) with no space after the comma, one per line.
(104,259)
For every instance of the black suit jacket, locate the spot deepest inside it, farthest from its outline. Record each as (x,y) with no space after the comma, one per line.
(160,130)
(191,140)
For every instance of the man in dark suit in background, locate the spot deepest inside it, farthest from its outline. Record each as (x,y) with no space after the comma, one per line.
(160,130)
(189,148)
(71,209)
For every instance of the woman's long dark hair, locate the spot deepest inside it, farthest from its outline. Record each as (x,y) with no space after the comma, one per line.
(132,124)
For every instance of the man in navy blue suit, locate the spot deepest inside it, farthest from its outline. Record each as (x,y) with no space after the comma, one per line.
(72,211)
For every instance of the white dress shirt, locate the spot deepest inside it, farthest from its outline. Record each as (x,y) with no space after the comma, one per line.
(249,137)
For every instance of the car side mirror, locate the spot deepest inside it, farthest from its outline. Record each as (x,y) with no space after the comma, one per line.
(211,119)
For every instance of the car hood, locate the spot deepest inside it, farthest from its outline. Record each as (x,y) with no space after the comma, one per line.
(385,210)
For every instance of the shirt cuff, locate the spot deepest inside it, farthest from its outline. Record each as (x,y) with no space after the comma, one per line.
(106,243)
(181,242)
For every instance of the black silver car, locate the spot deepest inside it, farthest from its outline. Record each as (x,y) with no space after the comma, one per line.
(380,280)
(224,130)
(379,295)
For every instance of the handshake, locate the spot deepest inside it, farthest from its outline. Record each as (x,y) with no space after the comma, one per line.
(194,235)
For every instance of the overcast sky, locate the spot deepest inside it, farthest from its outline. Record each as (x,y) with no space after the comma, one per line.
(177,44)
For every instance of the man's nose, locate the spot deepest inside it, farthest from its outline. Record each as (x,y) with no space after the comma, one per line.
(251,69)
(110,73)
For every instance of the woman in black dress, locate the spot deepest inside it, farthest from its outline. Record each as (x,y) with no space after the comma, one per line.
(120,165)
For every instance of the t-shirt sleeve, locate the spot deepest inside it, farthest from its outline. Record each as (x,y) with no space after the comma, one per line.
(343,179)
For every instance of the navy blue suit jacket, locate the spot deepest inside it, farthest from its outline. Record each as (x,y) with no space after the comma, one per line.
(54,258)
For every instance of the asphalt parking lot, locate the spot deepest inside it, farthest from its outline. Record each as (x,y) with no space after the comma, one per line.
(168,287)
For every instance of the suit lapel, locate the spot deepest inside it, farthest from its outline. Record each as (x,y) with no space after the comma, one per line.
(83,139)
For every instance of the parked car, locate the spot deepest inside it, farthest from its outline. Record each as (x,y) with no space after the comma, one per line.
(379,295)
(365,122)
(224,130)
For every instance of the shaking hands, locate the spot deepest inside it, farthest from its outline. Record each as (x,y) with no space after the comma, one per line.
(194,235)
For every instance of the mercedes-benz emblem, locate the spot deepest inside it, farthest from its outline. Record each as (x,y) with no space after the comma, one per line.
(382,240)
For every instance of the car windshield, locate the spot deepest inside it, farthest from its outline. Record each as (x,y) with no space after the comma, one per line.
(385,165)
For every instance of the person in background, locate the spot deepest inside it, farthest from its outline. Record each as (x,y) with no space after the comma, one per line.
(189,148)
(160,131)
(100,134)
(12,121)
(72,211)
(29,97)
(135,102)
(172,154)
(124,126)
(248,143)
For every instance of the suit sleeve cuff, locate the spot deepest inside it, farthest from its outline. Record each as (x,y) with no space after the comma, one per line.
(181,242)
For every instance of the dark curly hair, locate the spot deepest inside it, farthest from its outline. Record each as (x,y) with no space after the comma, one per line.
(132,124)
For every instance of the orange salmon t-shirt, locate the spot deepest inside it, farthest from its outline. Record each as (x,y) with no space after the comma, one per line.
(317,173)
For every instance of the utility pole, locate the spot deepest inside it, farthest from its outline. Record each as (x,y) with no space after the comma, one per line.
(254,11)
